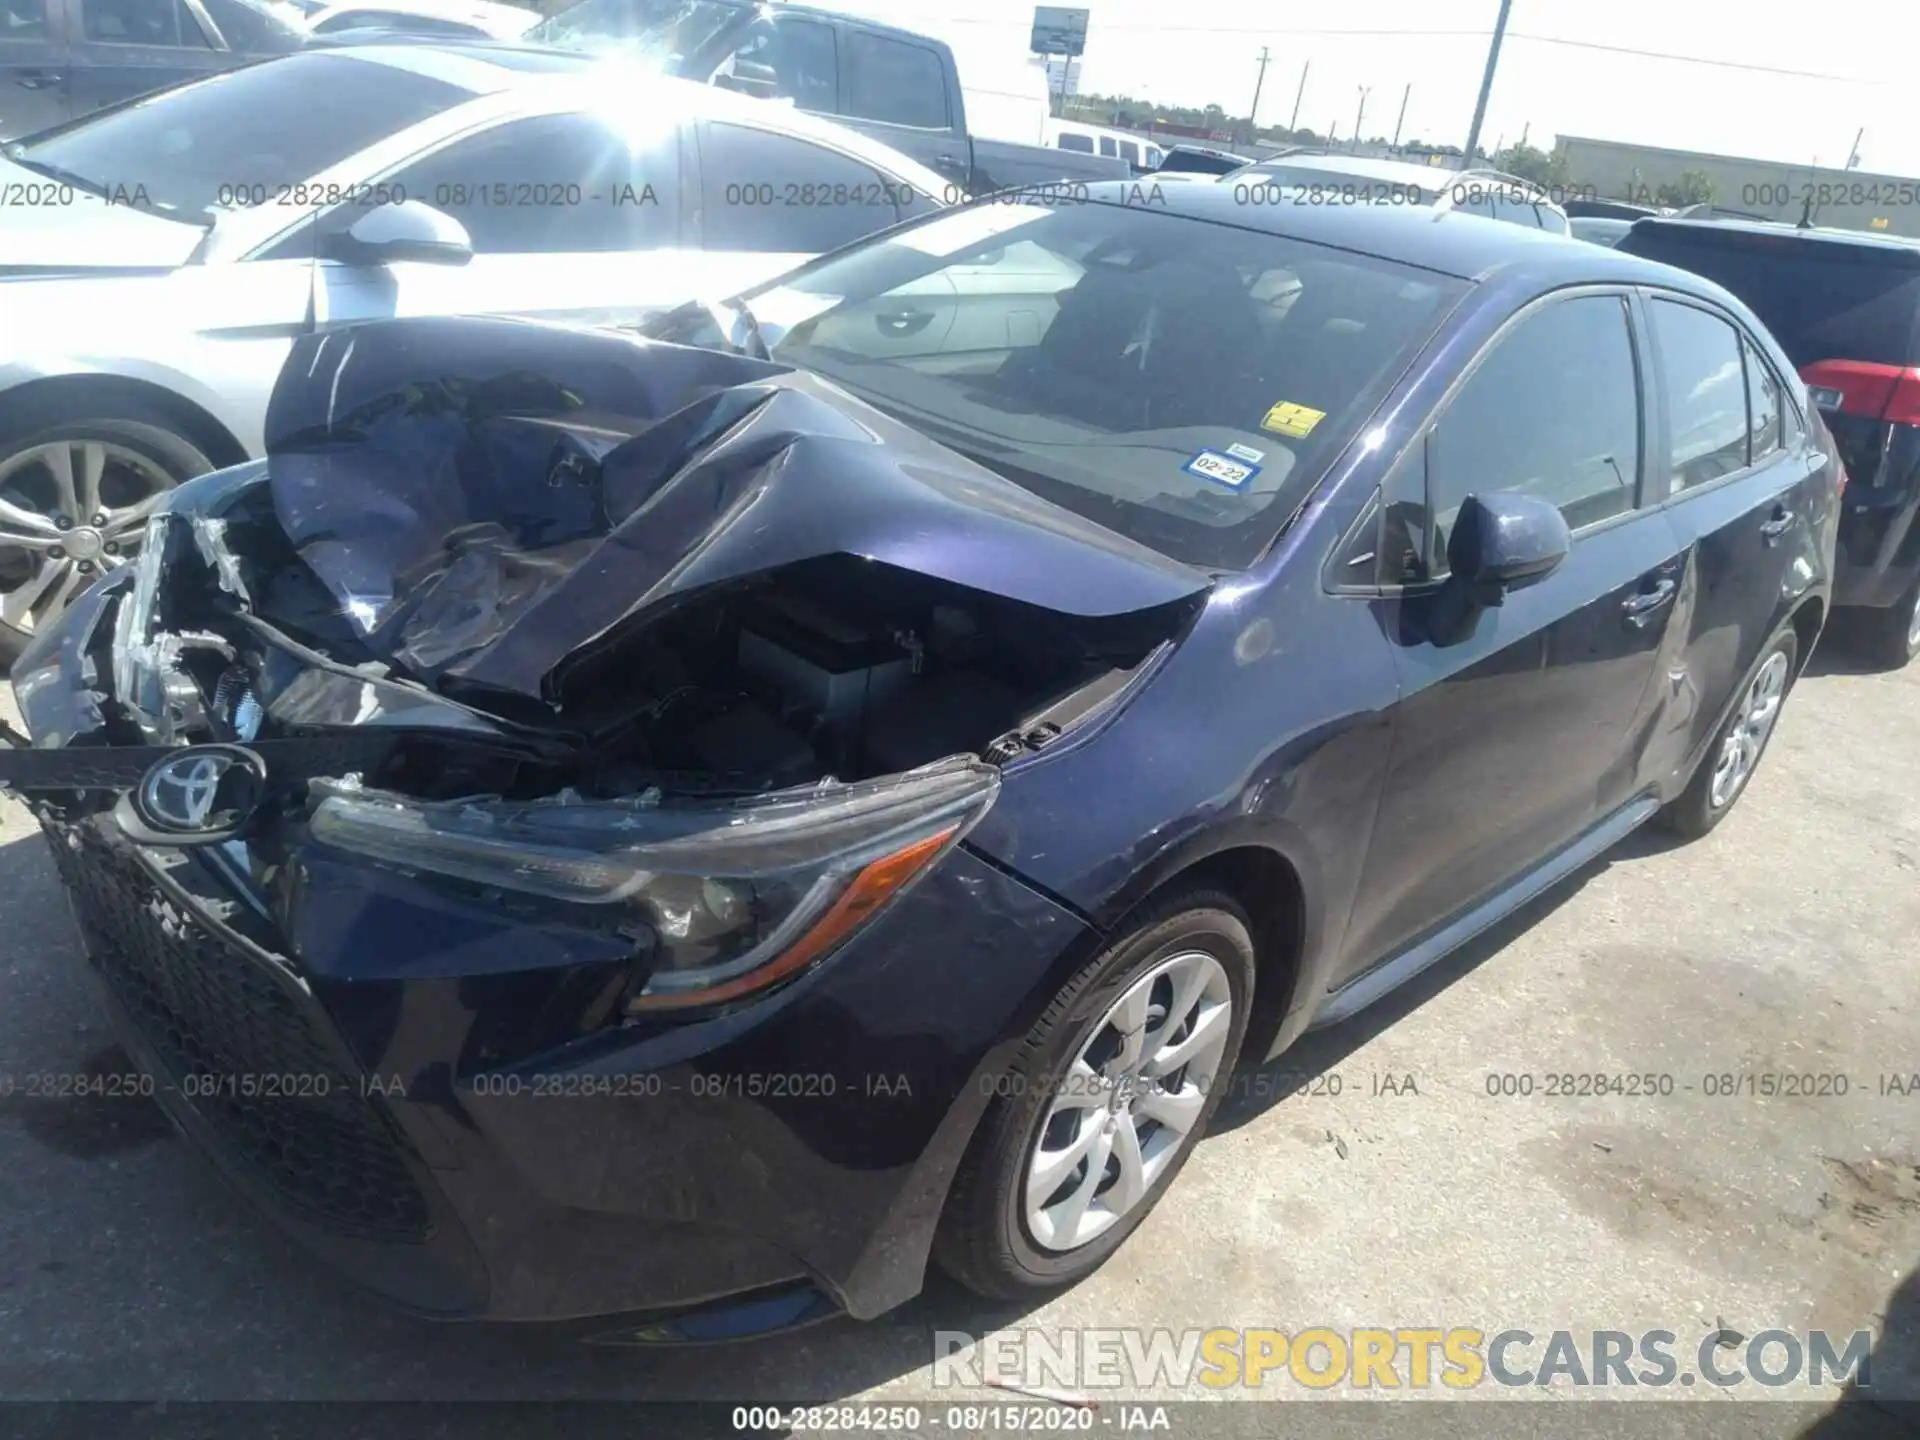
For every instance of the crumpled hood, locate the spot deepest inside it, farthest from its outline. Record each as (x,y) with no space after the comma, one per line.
(483,499)
(85,235)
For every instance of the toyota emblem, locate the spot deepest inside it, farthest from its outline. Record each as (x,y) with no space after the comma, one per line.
(203,793)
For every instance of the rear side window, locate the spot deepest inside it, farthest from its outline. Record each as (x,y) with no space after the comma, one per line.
(1082,143)
(1108,148)
(1554,411)
(1706,393)
(750,179)
(893,81)
(1822,300)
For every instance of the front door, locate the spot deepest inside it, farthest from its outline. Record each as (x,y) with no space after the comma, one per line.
(1511,741)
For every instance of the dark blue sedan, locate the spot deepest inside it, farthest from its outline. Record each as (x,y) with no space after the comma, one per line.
(596,823)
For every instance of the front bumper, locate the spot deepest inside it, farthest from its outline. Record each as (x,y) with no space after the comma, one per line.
(427,1092)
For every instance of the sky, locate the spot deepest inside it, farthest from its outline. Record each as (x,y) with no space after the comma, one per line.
(1765,79)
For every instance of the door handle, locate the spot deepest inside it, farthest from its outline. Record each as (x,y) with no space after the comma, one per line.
(901,323)
(1641,608)
(1781,522)
(38,79)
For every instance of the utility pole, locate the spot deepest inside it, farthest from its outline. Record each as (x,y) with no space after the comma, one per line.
(1486,80)
(1404,94)
(1298,96)
(1360,115)
(1253,115)
(1853,155)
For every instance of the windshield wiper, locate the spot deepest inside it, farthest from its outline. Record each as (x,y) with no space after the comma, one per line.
(17,154)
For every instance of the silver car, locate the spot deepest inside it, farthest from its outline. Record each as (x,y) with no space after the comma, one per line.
(158,260)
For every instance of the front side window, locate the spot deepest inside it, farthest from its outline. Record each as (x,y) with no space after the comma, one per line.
(1180,382)
(23,20)
(892,81)
(804,61)
(141,22)
(776,194)
(557,184)
(1706,393)
(1553,411)
(255,27)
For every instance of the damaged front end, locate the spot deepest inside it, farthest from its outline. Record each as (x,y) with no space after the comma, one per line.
(706,654)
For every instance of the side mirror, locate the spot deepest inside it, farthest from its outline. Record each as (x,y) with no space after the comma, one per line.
(409,230)
(1500,542)
(751,77)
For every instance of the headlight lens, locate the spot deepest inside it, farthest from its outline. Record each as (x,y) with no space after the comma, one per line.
(735,895)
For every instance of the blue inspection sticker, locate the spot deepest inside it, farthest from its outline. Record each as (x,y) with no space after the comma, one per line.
(1221,469)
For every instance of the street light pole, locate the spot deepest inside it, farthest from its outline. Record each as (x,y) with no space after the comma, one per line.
(1253,115)
(1298,96)
(1405,95)
(1486,80)
(1360,114)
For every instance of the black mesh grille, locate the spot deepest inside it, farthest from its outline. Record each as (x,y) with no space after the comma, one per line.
(243,1051)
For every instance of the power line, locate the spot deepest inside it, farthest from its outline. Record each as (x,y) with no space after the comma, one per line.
(1378,34)
(1693,59)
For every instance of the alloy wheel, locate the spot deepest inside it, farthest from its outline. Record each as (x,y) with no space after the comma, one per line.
(1754,721)
(1129,1101)
(69,510)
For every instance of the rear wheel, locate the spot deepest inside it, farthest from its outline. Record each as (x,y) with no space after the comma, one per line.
(75,494)
(1106,1100)
(1735,753)
(1891,637)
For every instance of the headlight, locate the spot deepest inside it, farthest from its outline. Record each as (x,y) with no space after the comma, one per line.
(735,895)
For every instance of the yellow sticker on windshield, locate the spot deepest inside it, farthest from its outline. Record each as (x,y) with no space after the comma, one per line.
(1296,421)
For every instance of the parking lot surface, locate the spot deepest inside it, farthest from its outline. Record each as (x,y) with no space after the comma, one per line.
(1783,944)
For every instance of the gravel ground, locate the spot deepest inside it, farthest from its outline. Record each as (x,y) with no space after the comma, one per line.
(1785,942)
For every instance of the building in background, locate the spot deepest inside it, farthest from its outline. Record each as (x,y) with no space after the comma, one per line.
(1847,199)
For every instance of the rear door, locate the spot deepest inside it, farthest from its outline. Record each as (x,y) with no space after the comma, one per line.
(1511,742)
(896,91)
(34,67)
(125,48)
(1748,499)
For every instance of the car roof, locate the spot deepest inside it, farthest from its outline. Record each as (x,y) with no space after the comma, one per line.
(1401,172)
(1448,241)
(533,81)
(1895,250)
(479,68)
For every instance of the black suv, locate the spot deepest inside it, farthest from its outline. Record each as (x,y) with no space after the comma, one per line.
(1845,306)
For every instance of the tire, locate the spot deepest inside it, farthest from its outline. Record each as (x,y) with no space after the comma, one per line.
(987,1240)
(145,454)
(1703,804)
(1890,638)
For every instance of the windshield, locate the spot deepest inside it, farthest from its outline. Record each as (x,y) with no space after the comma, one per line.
(236,138)
(663,32)
(1178,381)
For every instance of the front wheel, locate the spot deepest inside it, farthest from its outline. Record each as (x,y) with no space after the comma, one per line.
(1106,1100)
(75,495)
(1735,753)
